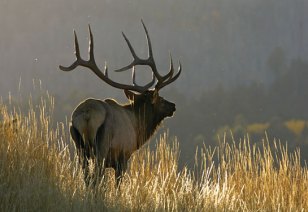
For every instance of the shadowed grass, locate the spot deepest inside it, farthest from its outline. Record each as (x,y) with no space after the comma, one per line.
(39,172)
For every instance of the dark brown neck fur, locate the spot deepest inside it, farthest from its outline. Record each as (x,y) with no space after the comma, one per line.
(147,121)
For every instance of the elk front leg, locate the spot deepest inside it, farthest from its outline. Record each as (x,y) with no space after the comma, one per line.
(120,168)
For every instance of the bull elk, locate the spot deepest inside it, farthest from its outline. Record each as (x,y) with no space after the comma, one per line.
(109,132)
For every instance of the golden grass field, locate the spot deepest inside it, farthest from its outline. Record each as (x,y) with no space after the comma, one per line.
(39,172)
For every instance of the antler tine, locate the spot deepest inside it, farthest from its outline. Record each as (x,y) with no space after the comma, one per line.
(171,71)
(136,60)
(150,51)
(106,70)
(151,60)
(77,54)
(134,76)
(171,77)
(91,47)
(130,47)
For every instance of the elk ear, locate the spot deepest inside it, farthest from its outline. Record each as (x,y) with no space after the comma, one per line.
(130,95)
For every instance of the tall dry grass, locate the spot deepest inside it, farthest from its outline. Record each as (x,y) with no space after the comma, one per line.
(38,172)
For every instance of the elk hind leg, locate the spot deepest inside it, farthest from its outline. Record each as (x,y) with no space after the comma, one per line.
(101,149)
(81,152)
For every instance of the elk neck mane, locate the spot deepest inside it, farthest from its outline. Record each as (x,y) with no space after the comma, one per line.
(147,120)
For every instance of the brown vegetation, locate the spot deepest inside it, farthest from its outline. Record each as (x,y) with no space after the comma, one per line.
(38,173)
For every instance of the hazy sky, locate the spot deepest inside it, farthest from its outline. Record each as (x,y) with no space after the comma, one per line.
(220,42)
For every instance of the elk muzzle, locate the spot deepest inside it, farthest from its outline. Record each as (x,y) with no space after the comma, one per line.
(170,109)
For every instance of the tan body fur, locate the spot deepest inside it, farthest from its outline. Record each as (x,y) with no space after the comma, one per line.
(105,130)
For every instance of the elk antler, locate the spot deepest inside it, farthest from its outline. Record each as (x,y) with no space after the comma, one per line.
(91,64)
(162,80)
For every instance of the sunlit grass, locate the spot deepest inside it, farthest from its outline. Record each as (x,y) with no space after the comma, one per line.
(39,172)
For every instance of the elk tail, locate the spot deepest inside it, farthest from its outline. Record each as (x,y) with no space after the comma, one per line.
(88,124)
